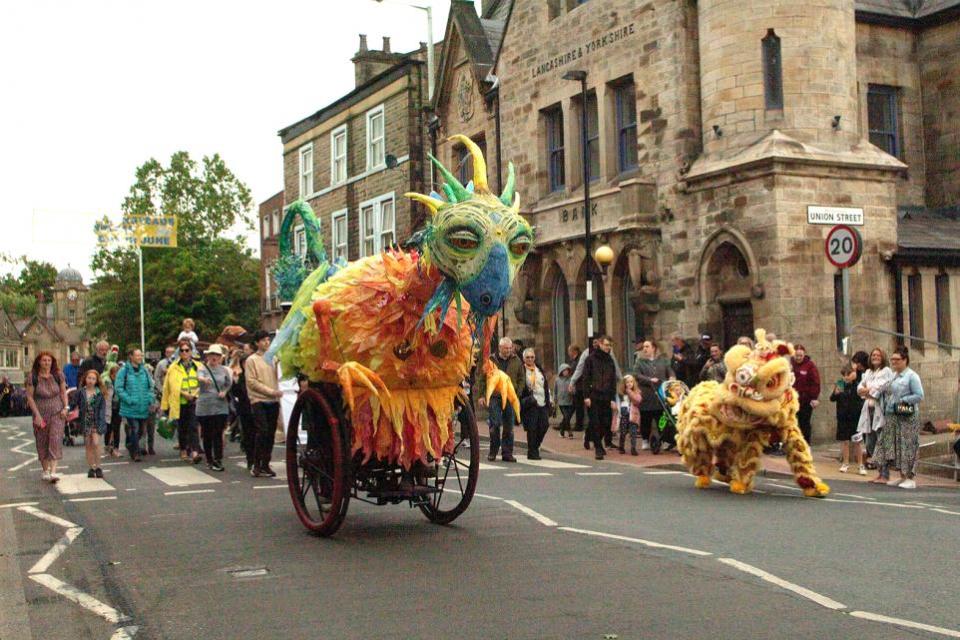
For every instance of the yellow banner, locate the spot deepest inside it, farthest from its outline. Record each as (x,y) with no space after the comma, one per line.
(139,230)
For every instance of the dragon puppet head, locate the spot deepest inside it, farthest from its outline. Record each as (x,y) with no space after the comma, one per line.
(758,383)
(477,240)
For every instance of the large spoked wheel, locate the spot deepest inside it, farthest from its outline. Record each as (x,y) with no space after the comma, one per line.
(317,467)
(454,476)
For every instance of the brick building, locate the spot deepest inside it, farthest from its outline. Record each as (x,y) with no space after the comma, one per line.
(719,134)
(353,160)
(270,215)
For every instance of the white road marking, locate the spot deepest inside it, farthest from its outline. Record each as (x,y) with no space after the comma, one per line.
(270,486)
(526,475)
(599,473)
(112,464)
(665,473)
(821,600)
(237,457)
(877,502)
(22,465)
(54,552)
(125,633)
(75,595)
(647,543)
(17,504)
(483,495)
(91,499)
(551,464)
(542,519)
(73,483)
(785,486)
(183,493)
(876,617)
(43,515)
(939,510)
(923,504)
(180,476)
(490,467)
(853,495)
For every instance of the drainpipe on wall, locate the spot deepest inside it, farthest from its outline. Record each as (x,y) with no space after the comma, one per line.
(493,94)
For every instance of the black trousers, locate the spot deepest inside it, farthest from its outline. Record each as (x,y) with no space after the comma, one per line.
(248,435)
(579,409)
(211,427)
(265,416)
(601,415)
(536,422)
(187,435)
(803,417)
(650,423)
(567,412)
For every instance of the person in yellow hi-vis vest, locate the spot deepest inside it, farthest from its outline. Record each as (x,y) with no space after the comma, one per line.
(179,400)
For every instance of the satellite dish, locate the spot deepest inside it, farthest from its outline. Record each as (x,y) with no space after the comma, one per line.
(391,161)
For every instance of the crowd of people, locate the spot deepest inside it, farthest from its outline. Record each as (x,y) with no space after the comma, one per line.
(201,390)
(876,400)
(197,389)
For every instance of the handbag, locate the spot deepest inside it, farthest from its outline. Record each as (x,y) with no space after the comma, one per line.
(904,409)
(166,427)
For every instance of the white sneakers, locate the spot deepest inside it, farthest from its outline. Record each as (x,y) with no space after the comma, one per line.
(644,445)
(908,484)
(844,468)
(45,476)
(862,470)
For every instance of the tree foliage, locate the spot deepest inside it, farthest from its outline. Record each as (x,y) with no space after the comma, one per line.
(19,293)
(210,278)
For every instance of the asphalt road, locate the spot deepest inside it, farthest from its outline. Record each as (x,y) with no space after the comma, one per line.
(164,550)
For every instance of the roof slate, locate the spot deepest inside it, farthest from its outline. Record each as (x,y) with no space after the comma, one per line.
(921,228)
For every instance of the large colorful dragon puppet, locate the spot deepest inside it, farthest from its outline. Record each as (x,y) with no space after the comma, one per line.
(724,427)
(399,331)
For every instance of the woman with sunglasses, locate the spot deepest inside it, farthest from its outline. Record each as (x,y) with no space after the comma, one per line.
(181,388)
(900,438)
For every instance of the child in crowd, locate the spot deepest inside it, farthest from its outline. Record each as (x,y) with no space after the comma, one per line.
(849,405)
(630,403)
(564,399)
(189,334)
(112,410)
(90,403)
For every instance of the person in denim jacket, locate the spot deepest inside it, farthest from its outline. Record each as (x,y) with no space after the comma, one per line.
(900,439)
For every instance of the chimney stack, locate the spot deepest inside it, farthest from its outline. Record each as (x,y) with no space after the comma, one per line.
(363,43)
(368,63)
(386,44)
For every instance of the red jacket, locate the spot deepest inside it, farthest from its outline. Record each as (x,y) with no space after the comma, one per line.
(806,380)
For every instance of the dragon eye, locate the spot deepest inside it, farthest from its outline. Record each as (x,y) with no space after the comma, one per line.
(744,375)
(464,239)
(520,246)
(774,382)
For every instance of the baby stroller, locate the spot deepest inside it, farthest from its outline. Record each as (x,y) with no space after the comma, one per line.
(72,427)
(670,395)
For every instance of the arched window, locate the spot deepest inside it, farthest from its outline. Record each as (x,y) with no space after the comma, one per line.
(561,320)
(630,329)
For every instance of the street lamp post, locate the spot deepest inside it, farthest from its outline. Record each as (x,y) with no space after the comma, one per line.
(430,69)
(581,76)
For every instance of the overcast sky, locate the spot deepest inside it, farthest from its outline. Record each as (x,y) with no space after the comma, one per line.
(92,89)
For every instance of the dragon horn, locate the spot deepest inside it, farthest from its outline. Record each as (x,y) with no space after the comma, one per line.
(507,196)
(515,207)
(460,192)
(430,203)
(479,164)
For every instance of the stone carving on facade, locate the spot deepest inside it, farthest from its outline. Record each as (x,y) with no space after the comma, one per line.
(465,97)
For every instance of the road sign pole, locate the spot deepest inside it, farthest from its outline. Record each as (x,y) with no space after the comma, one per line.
(143,341)
(847,311)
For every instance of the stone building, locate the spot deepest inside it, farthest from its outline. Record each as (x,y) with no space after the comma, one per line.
(270,212)
(721,136)
(353,160)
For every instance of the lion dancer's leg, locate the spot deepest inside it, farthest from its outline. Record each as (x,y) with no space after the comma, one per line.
(746,464)
(726,454)
(801,463)
(697,455)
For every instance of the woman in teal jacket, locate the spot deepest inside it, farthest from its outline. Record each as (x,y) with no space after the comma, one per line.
(134,387)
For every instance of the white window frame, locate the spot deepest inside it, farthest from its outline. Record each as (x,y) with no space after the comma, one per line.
(275,216)
(305,176)
(334,158)
(265,226)
(372,162)
(300,240)
(336,242)
(376,209)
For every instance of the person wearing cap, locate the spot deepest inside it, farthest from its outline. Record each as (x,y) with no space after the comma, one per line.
(264,394)
(212,404)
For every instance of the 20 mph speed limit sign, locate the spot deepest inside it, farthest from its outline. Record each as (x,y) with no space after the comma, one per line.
(844,246)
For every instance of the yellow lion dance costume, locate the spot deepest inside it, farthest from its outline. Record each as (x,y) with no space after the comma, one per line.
(723,428)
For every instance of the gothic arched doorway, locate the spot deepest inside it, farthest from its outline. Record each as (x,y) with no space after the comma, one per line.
(727,287)
(561,319)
